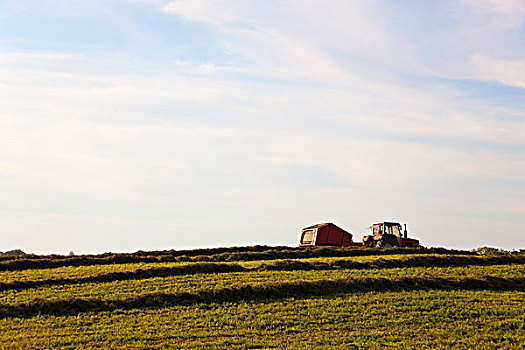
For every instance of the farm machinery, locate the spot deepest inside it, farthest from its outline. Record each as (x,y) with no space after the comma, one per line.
(389,234)
(384,234)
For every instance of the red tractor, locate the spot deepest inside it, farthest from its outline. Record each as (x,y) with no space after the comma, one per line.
(389,234)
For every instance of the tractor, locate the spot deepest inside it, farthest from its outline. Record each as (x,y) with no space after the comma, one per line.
(388,234)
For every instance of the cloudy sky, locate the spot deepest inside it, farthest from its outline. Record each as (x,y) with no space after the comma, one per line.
(139,124)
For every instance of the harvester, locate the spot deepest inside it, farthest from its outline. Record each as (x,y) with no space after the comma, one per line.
(384,234)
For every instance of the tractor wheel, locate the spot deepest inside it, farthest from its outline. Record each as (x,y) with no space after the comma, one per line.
(388,242)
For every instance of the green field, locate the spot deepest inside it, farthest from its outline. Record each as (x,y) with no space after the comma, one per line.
(333,299)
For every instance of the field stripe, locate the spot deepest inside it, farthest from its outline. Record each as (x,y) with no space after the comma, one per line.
(283,265)
(155,253)
(138,274)
(270,291)
(225,255)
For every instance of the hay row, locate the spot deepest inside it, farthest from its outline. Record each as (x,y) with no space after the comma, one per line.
(282,265)
(260,292)
(211,255)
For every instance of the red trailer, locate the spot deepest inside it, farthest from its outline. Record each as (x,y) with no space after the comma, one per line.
(326,234)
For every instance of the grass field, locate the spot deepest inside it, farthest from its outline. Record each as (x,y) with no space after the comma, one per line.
(320,298)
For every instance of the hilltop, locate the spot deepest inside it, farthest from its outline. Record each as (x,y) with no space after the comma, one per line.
(265,297)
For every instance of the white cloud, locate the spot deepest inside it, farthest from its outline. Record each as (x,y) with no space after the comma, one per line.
(215,12)
(18,56)
(497,6)
(334,113)
(504,14)
(323,41)
(508,72)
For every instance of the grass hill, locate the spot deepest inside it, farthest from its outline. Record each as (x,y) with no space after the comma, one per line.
(265,297)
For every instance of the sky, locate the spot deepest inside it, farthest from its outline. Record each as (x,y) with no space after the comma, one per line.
(170,124)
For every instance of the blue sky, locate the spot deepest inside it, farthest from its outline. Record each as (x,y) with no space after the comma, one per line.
(145,124)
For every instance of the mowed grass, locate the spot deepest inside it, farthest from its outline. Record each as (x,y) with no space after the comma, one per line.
(88,271)
(425,318)
(129,288)
(406,320)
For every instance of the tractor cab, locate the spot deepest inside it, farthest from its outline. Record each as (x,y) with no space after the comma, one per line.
(388,234)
